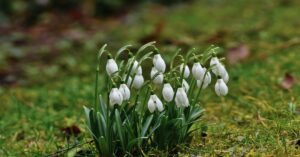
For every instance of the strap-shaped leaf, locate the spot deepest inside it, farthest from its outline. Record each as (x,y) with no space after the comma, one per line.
(146,125)
(119,128)
(122,49)
(142,48)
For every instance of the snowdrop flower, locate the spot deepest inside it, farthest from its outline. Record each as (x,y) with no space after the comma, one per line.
(214,61)
(115,97)
(159,63)
(220,88)
(168,92)
(197,71)
(225,77)
(155,103)
(186,72)
(128,83)
(159,77)
(181,98)
(124,91)
(205,80)
(136,68)
(138,81)
(111,67)
(185,85)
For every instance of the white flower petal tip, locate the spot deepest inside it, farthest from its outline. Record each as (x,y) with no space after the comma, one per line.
(124,91)
(154,103)
(205,81)
(136,68)
(198,71)
(159,77)
(186,72)
(111,67)
(185,85)
(221,88)
(168,92)
(115,97)
(159,63)
(138,81)
(181,98)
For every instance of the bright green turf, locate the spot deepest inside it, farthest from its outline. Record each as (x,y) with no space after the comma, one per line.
(254,119)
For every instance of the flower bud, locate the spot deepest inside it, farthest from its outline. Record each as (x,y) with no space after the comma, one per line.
(155,103)
(181,98)
(115,97)
(138,81)
(159,63)
(221,88)
(197,71)
(159,77)
(186,72)
(124,91)
(168,92)
(111,67)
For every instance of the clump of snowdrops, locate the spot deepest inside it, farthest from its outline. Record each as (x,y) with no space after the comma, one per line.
(133,114)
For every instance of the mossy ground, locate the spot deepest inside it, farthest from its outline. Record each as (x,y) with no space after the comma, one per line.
(254,119)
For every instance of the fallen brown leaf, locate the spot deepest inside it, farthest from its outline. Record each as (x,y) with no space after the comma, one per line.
(71,130)
(288,81)
(236,54)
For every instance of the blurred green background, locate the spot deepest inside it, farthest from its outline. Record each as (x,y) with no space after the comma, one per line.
(47,63)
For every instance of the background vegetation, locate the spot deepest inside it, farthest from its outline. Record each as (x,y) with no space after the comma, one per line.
(47,63)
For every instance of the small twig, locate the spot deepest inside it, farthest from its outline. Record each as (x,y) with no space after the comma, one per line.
(67,149)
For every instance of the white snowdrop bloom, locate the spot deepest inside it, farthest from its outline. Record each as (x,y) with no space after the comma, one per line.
(168,92)
(159,77)
(139,71)
(124,91)
(185,85)
(221,88)
(129,81)
(186,72)
(205,80)
(136,68)
(115,97)
(159,63)
(181,98)
(155,103)
(197,71)
(111,67)
(214,61)
(138,81)
(225,77)
(216,65)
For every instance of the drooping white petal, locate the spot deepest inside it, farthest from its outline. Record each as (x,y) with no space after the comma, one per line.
(159,77)
(181,98)
(168,92)
(205,80)
(124,91)
(159,104)
(151,105)
(136,68)
(138,81)
(159,63)
(111,67)
(185,85)
(225,77)
(221,88)
(197,71)
(214,61)
(186,72)
(115,97)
